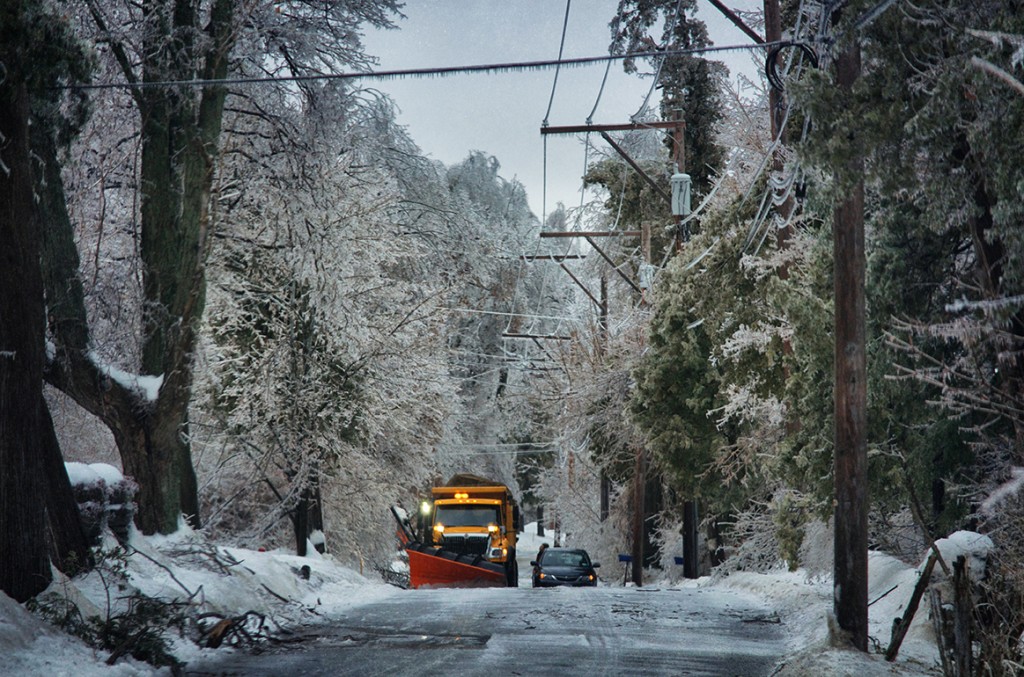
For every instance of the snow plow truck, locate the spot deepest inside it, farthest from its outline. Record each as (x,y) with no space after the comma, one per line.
(466,536)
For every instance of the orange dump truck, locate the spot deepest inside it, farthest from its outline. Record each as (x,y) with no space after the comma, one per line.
(467,536)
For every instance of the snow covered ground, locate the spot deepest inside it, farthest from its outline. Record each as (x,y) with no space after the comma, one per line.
(233,581)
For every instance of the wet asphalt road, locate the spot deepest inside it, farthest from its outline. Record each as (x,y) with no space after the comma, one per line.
(523,631)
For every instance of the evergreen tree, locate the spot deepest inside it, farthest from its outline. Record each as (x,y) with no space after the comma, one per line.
(690,84)
(38,54)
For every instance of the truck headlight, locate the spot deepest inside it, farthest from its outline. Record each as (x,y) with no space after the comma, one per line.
(496,552)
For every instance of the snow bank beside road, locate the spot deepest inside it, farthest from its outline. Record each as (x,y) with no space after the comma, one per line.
(220,580)
(804,604)
(31,647)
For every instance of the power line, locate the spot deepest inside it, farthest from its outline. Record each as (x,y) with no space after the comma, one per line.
(561,48)
(505,314)
(491,450)
(510,67)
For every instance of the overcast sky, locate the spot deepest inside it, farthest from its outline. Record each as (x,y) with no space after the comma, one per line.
(501,113)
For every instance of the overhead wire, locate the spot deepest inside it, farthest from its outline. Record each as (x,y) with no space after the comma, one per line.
(561,49)
(544,173)
(430,72)
(600,92)
(660,62)
(779,190)
(586,157)
(583,185)
(544,178)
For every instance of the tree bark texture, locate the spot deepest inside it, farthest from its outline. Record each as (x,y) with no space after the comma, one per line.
(179,148)
(900,629)
(691,556)
(962,618)
(68,541)
(850,462)
(180,131)
(24,561)
(300,522)
(316,516)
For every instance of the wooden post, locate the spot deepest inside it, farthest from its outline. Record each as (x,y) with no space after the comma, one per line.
(691,525)
(602,318)
(606,486)
(850,603)
(691,560)
(739,23)
(639,484)
(963,607)
(943,631)
(903,623)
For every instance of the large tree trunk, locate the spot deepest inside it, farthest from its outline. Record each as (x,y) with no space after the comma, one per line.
(179,145)
(180,129)
(24,562)
(70,545)
(300,520)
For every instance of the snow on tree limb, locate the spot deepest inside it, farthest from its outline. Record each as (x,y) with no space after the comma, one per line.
(992,69)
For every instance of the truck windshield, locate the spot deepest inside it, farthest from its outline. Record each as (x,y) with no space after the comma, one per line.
(467,515)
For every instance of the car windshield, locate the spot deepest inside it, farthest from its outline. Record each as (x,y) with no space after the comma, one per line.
(565,558)
(467,515)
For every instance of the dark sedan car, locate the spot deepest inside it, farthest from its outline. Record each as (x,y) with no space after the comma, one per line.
(564,566)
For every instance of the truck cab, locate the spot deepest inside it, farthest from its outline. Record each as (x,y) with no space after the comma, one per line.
(478,521)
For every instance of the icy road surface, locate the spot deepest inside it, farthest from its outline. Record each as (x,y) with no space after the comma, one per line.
(607,630)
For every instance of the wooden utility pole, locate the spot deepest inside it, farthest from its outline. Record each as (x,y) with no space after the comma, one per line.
(640,470)
(639,525)
(850,602)
(639,485)
(691,568)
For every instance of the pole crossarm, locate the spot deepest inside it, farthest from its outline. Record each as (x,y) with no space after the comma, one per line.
(591,233)
(621,127)
(551,257)
(549,337)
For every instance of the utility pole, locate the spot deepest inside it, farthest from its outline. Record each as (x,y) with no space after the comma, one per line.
(639,485)
(850,601)
(681,209)
(640,513)
(602,342)
(640,470)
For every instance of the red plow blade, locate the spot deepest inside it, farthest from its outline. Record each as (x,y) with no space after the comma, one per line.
(433,567)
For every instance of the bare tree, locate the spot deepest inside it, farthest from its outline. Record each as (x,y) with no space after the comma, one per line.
(160,47)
